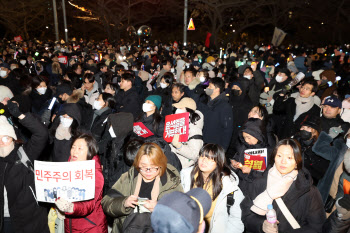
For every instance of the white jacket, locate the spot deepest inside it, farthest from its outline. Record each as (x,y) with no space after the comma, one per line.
(221,222)
(189,151)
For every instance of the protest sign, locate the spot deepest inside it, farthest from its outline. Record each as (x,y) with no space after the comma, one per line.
(62,59)
(141,130)
(72,181)
(278,37)
(256,159)
(176,124)
(17,38)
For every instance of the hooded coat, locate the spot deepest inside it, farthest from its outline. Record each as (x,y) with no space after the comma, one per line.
(88,216)
(26,215)
(128,101)
(302,199)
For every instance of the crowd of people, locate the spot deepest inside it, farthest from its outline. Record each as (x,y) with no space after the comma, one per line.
(267,126)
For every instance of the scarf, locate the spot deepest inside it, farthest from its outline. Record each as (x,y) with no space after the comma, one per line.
(63,133)
(277,186)
(303,105)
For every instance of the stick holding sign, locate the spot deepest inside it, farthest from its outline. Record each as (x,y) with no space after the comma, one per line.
(176,124)
(70,181)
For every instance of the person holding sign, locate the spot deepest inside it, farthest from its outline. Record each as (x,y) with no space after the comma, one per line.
(288,187)
(151,117)
(211,173)
(188,151)
(139,189)
(85,216)
(20,211)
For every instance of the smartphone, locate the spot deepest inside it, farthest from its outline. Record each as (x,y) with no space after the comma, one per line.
(52,103)
(329,83)
(143,67)
(277,64)
(141,201)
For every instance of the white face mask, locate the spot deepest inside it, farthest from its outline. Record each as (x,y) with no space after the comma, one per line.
(202,79)
(111,132)
(348,142)
(6,150)
(172,70)
(146,107)
(212,63)
(66,122)
(279,78)
(13,67)
(23,62)
(224,62)
(20,51)
(219,75)
(195,59)
(41,90)
(163,85)
(3,73)
(247,76)
(97,105)
(179,110)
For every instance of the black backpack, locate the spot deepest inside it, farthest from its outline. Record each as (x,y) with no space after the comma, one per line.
(138,223)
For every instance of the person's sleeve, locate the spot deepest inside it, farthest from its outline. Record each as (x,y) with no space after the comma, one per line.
(227,126)
(258,80)
(85,208)
(316,214)
(280,104)
(132,105)
(113,201)
(38,139)
(323,148)
(235,223)
(252,222)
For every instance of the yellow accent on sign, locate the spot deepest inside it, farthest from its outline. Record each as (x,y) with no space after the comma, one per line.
(191,25)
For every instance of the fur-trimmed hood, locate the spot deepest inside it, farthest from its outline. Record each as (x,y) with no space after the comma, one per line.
(75,97)
(193,84)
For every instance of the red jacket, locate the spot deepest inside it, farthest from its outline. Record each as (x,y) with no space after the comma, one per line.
(88,216)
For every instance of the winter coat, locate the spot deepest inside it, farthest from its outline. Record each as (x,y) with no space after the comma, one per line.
(332,150)
(26,215)
(303,200)
(129,101)
(221,221)
(254,86)
(148,122)
(91,96)
(88,216)
(167,99)
(327,123)
(98,121)
(189,151)
(85,108)
(287,108)
(193,90)
(113,201)
(39,102)
(218,121)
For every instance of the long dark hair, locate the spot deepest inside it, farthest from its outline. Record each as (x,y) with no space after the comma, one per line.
(294,144)
(217,153)
(157,118)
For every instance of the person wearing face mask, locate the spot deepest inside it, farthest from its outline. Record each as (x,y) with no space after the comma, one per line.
(307,136)
(151,117)
(253,79)
(23,64)
(164,91)
(17,190)
(4,73)
(64,127)
(188,151)
(40,95)
(193,89)
(218,116)
(103,107)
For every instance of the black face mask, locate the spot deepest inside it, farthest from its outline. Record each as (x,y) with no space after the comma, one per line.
(305,135)
(236,92)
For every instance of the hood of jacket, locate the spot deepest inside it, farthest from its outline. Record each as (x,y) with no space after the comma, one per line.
(122,124)
(254,127)
(71,110)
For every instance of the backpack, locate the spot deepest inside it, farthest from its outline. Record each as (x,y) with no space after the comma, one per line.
(138,223)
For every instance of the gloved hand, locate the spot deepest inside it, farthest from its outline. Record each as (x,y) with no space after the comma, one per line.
(343,207)
(270,227)
(13,109)
(60,215)
(335,131)
(64,206)
(45,117)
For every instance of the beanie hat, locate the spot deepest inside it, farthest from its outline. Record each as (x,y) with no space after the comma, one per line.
(238,85)
(63,88)
(186,103)
(313,122)
(7,129)
(5,92)
(156,99)
(181,212)
(329,74)
(210,59)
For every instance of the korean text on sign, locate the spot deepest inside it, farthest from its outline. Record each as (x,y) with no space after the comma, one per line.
(176,124)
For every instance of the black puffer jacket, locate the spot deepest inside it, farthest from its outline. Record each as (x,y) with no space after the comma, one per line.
(99,122)
(129,101)
(26,214)
(302,199)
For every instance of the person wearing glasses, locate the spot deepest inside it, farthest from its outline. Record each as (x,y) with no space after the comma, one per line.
(150,177)
(211,173)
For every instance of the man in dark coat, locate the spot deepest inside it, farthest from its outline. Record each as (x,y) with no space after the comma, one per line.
(218,116)
(128,99)
(296,109)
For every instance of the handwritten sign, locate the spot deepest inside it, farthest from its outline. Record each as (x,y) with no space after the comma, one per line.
(72,181)
(176,124)
(141,130)
(256,159)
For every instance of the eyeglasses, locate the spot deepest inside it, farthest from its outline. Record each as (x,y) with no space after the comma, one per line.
(149,169)
(206,159)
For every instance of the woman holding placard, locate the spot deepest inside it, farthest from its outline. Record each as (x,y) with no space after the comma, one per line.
(84,216)
(187,152)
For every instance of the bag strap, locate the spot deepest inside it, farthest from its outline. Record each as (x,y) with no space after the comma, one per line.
(290,218)
(230,202)
(197,136)
(24,158)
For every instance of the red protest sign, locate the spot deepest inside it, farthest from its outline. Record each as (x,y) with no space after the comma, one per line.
(76,47)
(63,59)
(176,124)
(141,130)
(17,38)
(256,159)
